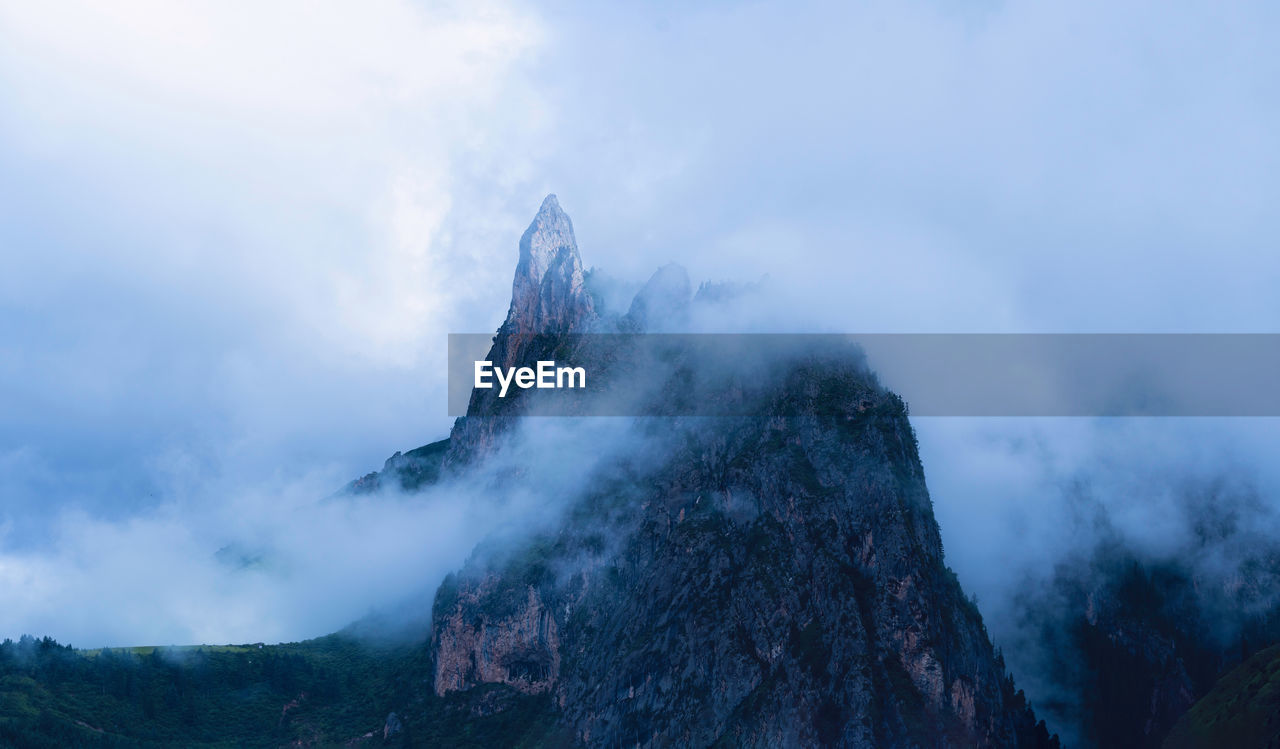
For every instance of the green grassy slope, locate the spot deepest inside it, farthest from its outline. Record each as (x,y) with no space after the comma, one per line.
(331,691)
(1242,710)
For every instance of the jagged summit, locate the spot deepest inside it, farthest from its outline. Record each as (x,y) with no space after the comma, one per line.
(549,234)
(549,299)
(548,293)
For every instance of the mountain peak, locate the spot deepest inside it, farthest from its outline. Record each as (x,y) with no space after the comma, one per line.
(550,204)
(548,293)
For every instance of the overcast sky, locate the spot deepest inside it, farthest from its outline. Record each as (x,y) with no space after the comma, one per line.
(235,236)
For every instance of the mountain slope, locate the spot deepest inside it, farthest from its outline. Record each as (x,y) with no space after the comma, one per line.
(770,580)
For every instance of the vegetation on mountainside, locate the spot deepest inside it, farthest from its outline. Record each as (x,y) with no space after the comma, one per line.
(331,691)
(1242,710)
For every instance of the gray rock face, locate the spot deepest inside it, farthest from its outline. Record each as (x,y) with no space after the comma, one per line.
(548,296)
(548,293)
(768,581)
(521,650)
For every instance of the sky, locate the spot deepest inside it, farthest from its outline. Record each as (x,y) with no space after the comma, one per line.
(234,238)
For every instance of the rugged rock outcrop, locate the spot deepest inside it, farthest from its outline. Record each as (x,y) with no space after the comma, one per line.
(521,649)
(548,298)
(549,292)
(769,580)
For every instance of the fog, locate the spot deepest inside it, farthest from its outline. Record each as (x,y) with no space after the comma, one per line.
(296,559)
(234,245)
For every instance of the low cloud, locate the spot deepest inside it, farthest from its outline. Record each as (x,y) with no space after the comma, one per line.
(292,559)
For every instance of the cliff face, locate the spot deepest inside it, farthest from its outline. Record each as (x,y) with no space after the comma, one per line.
(549,291)
(520,649)
(772,580)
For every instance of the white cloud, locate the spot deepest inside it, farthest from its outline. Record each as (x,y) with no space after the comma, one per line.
(298,562)
(246,228)
(240,232)
(273,154)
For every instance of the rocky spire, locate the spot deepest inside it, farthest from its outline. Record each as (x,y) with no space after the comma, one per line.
(549,300)
(548,294)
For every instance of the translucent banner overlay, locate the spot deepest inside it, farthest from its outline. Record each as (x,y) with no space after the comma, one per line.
(936,374)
